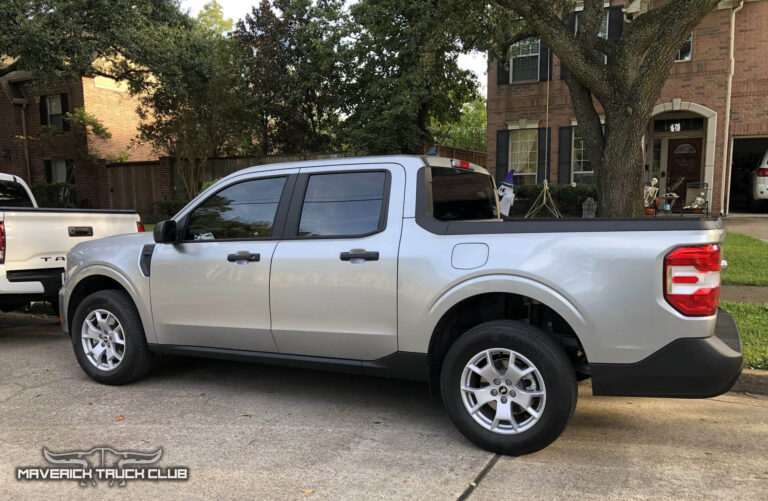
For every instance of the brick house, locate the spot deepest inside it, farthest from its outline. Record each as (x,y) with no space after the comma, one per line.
(706,131)
(61,154)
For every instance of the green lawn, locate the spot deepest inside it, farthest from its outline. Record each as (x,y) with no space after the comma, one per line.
(747,260)
(752,320)
(149,228)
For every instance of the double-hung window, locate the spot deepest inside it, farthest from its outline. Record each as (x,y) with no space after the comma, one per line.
(581,167)
(523,154)
(55,111)
(59,171)
(524,64)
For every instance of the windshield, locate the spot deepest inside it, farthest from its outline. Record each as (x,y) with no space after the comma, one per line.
(12,194)
(461,194)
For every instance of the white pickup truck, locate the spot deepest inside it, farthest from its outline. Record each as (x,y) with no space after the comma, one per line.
(34,241)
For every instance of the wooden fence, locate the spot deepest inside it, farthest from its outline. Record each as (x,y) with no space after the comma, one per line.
(135,185)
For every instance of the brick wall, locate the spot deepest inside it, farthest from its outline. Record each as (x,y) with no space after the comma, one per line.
(52,146)
(115,108)
(703,80)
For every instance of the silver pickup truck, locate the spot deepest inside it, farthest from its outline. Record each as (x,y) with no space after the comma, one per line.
(401,267)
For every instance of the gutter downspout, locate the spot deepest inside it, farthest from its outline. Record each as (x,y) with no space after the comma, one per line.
(726,185)
(26,141)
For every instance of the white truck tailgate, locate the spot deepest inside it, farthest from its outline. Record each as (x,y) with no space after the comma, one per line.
(41,238)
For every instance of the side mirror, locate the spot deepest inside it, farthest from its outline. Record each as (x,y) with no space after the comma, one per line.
(166,232)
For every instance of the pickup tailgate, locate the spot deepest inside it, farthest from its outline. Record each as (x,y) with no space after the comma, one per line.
(36,239)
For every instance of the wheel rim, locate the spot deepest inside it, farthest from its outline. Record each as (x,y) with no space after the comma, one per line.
(103,340)
(503,391)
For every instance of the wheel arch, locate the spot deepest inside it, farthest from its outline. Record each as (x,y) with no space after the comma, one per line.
(505,297)
(96,278)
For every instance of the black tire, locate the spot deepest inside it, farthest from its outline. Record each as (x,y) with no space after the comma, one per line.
(550,360)
(137,359)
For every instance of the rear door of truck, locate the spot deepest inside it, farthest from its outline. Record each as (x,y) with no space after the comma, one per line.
(333,287)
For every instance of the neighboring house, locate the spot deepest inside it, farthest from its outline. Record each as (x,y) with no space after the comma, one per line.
(703,123)
(61,155)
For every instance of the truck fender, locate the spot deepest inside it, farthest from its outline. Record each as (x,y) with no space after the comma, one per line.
(141,301)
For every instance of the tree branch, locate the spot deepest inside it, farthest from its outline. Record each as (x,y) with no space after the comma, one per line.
(542,19)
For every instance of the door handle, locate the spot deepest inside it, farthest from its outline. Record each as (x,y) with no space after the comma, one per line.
(249,257)
(364,255)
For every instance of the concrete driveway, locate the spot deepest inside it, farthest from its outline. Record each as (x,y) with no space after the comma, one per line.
(754,225)
(259,432)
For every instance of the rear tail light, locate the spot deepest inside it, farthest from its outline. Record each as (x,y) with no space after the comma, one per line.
(762,172)
(2,242)
(692,280)
(140,226)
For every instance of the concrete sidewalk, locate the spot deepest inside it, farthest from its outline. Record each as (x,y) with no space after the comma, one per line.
(744,293)
(258,432)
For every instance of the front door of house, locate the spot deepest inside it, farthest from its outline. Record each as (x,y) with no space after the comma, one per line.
(684,165)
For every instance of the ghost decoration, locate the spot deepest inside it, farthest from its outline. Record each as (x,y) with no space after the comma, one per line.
(507,193)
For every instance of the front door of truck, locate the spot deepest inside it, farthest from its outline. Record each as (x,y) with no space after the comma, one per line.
(333,288)
(212,290)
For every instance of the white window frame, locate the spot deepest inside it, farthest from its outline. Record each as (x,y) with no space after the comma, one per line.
(678,59)
(527,127)
(51,116)
(512,58)
(574,161)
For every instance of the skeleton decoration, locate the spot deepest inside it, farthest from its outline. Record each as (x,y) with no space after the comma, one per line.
(507,193)
(650,192)
(698,202)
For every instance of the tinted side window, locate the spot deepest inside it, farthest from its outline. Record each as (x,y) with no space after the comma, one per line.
(344,204)
(461,195)
(13,195)
(244,210)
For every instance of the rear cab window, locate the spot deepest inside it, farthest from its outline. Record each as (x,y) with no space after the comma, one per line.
(462,195)
(13,194)
(348,204)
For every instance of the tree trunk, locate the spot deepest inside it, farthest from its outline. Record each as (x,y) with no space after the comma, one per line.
(620,182)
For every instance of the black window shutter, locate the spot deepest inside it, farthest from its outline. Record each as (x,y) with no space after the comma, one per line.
(502,155)
(70,171)
(43,110)
(615,23)
(65,109)
(545,61)
(564,155)
(570,20)
(502,75)
(545,154)
(48,171)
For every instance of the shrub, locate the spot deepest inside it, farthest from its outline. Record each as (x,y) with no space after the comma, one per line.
(55,195)
(165,209)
